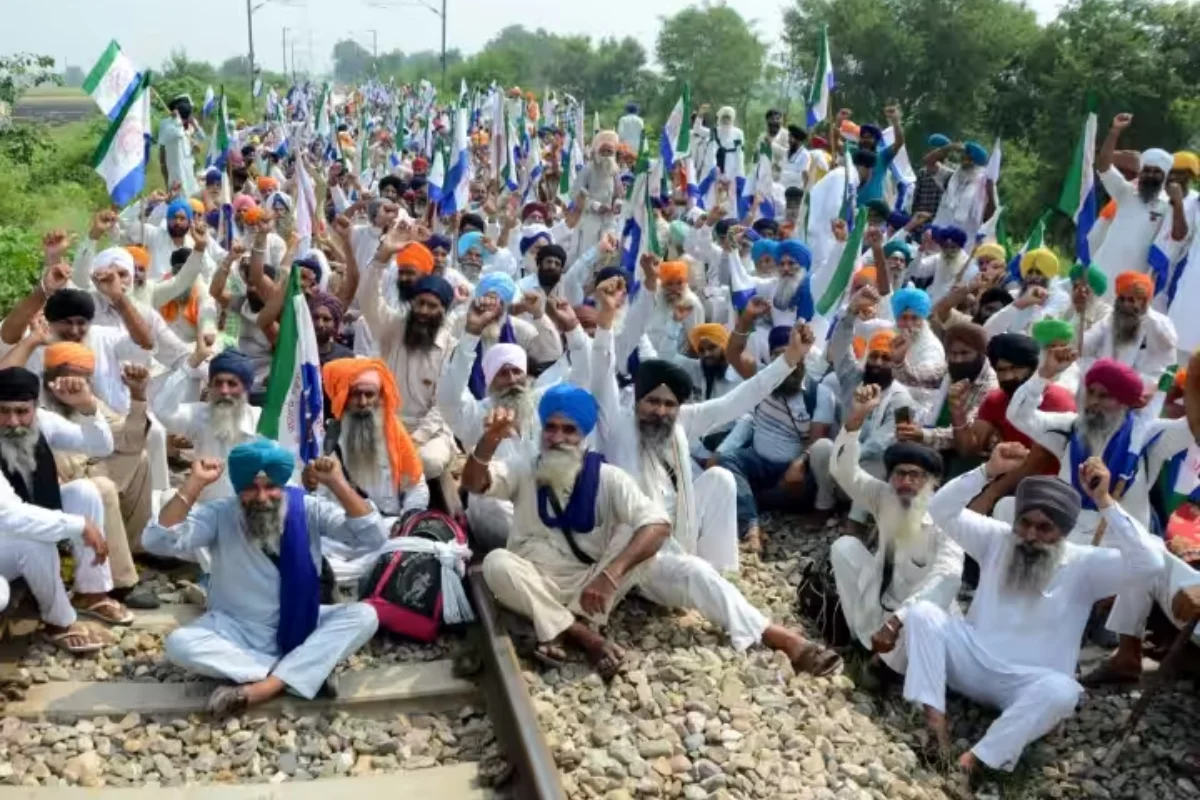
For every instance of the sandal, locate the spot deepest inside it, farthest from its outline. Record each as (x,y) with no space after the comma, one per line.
(227,701)
(76,640)
(109,611)
(549,655)
(821,662)
(1105,674)
(607,659)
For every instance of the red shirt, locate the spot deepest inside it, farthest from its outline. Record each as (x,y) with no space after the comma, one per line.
(994,408)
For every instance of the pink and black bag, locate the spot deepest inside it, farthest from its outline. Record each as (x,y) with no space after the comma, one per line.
(419,583)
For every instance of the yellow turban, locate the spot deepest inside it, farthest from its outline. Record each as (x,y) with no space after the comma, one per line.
(197,206)
(673,271)
(990,250)
(1041,260)
(714,332)
(69,354)
(1187,162)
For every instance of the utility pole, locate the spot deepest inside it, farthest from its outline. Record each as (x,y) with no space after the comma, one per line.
(431,7)
(293,60)
(250,36)
(443,16)
(374,43)
(285,50)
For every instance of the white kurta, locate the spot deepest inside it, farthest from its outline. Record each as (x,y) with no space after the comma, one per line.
(1134,228)
(1014,651)
(236,638)
(1152,350)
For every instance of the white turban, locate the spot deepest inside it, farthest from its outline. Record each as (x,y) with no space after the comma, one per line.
(1154,157)
(603,138)
(727,111)
(501,355)
(117,258)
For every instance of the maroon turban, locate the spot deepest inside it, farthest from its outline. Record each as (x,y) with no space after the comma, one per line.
(318,299)
(1118,379)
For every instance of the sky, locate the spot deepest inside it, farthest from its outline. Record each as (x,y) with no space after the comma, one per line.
(75,32)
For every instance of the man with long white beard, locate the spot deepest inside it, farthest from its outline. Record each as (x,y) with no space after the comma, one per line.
(918,357)
(377,455)
(1088,287)
(967,198)
(224,421)
(1018,647)
(731,151)
(29,435)
(414,340)
(598,192)
(585,535)
(676,310)
(914,561)
(650,439)
(505,373)
(265,629)
(1134,334)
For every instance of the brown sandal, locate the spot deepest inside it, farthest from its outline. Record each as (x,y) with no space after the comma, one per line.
(816,660)
(227,701)
(85,641)
(108,611)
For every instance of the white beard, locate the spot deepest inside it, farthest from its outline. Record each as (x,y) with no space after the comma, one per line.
(904,526)
(264,527)
(360,443)
(1031,578)
(226,419)
(785,290)
(558,468)
(607,165)
(19,453)
(520,400)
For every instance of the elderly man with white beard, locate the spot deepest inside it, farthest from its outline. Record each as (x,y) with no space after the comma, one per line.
(598,192)
(915,561)
(1134,333)
(676,310)
(586,535)
(265,628)
(505,371)
(1018,647)
(651,439)
(29,435)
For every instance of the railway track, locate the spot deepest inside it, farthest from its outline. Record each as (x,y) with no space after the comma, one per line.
(127,714)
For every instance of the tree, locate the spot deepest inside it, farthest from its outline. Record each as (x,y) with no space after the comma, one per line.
(712,48)
(73,76)
(351,61)
(22,71)
(236,68)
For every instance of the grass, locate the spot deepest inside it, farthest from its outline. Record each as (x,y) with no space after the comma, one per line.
(50,91)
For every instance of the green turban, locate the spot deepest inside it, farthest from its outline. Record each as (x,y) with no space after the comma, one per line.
(897,246)
(1047,332)
(1094,277)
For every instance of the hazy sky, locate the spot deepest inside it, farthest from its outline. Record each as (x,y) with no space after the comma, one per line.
(76,31)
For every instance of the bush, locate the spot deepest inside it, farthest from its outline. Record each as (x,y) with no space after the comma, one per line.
(21,257)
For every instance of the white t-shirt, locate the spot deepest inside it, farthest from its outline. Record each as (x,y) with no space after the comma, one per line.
(1134,228)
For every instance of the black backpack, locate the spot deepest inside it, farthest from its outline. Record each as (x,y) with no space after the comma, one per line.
(818,601)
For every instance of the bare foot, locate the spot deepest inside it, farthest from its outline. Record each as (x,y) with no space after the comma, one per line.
(753,540)
(604,655)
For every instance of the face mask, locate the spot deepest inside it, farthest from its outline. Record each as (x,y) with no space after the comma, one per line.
(1009,387)
(965,371)
(877,376)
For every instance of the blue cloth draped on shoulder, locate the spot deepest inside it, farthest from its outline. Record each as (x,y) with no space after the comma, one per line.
(1119,456)
(477,384)
(299,580)
(248,459)
(580,514)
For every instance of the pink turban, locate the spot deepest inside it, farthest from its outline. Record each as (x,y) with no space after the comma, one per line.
(499,356)
(1118,379)
(243,202)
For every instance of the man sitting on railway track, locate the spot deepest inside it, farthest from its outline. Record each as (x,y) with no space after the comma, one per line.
(584,535)
(266,629)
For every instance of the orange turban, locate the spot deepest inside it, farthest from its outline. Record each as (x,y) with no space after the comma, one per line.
(417,256)
(881,342)
(673,271)
(252,216)
(1135,283)
(1180,378)
(860,346)
(196,205)
(141,256)
(266,185)
(715,333)
(69,354)
(864,277)
(342,373)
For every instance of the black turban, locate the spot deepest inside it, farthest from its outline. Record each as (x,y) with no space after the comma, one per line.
(19,385)
(393,182)
(611,272)
(179,257)
(1057,500)
(655,372)
(995,295)
(765,227)
(1015,348)
(67,303)
(471,222)
(919,455)
(552,250)
(437,286)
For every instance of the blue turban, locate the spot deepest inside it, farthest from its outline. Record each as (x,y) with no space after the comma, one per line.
(530,241)
(574,403)
(911,299)
(233,362)
(437,286)
(797,251)
(213,218)
(897,246)
(951,233)
(976,152)
(499,284)
(469,240)
(631,108)
(212,177)
(764,247)
(311,264)
(437,240)
(871,129)
(177,205)
(248,459)
(938,140)
(778,337)
(898,219)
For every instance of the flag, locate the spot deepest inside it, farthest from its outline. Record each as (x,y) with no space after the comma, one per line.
(437,177)
(1037,236)
(220,144)
(306,203)
(1078,198)
(500,153)
(456,191)
(112,81)
(210,101)
(225,224)
(761,182)
(123,152)
(292,412)
(677,131)
(741,285)
(850,189)
(823,84)
(639,231)
(831,293)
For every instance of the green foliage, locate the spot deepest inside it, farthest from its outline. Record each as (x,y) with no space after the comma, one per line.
(23,71)
(21,255)
(711,47)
